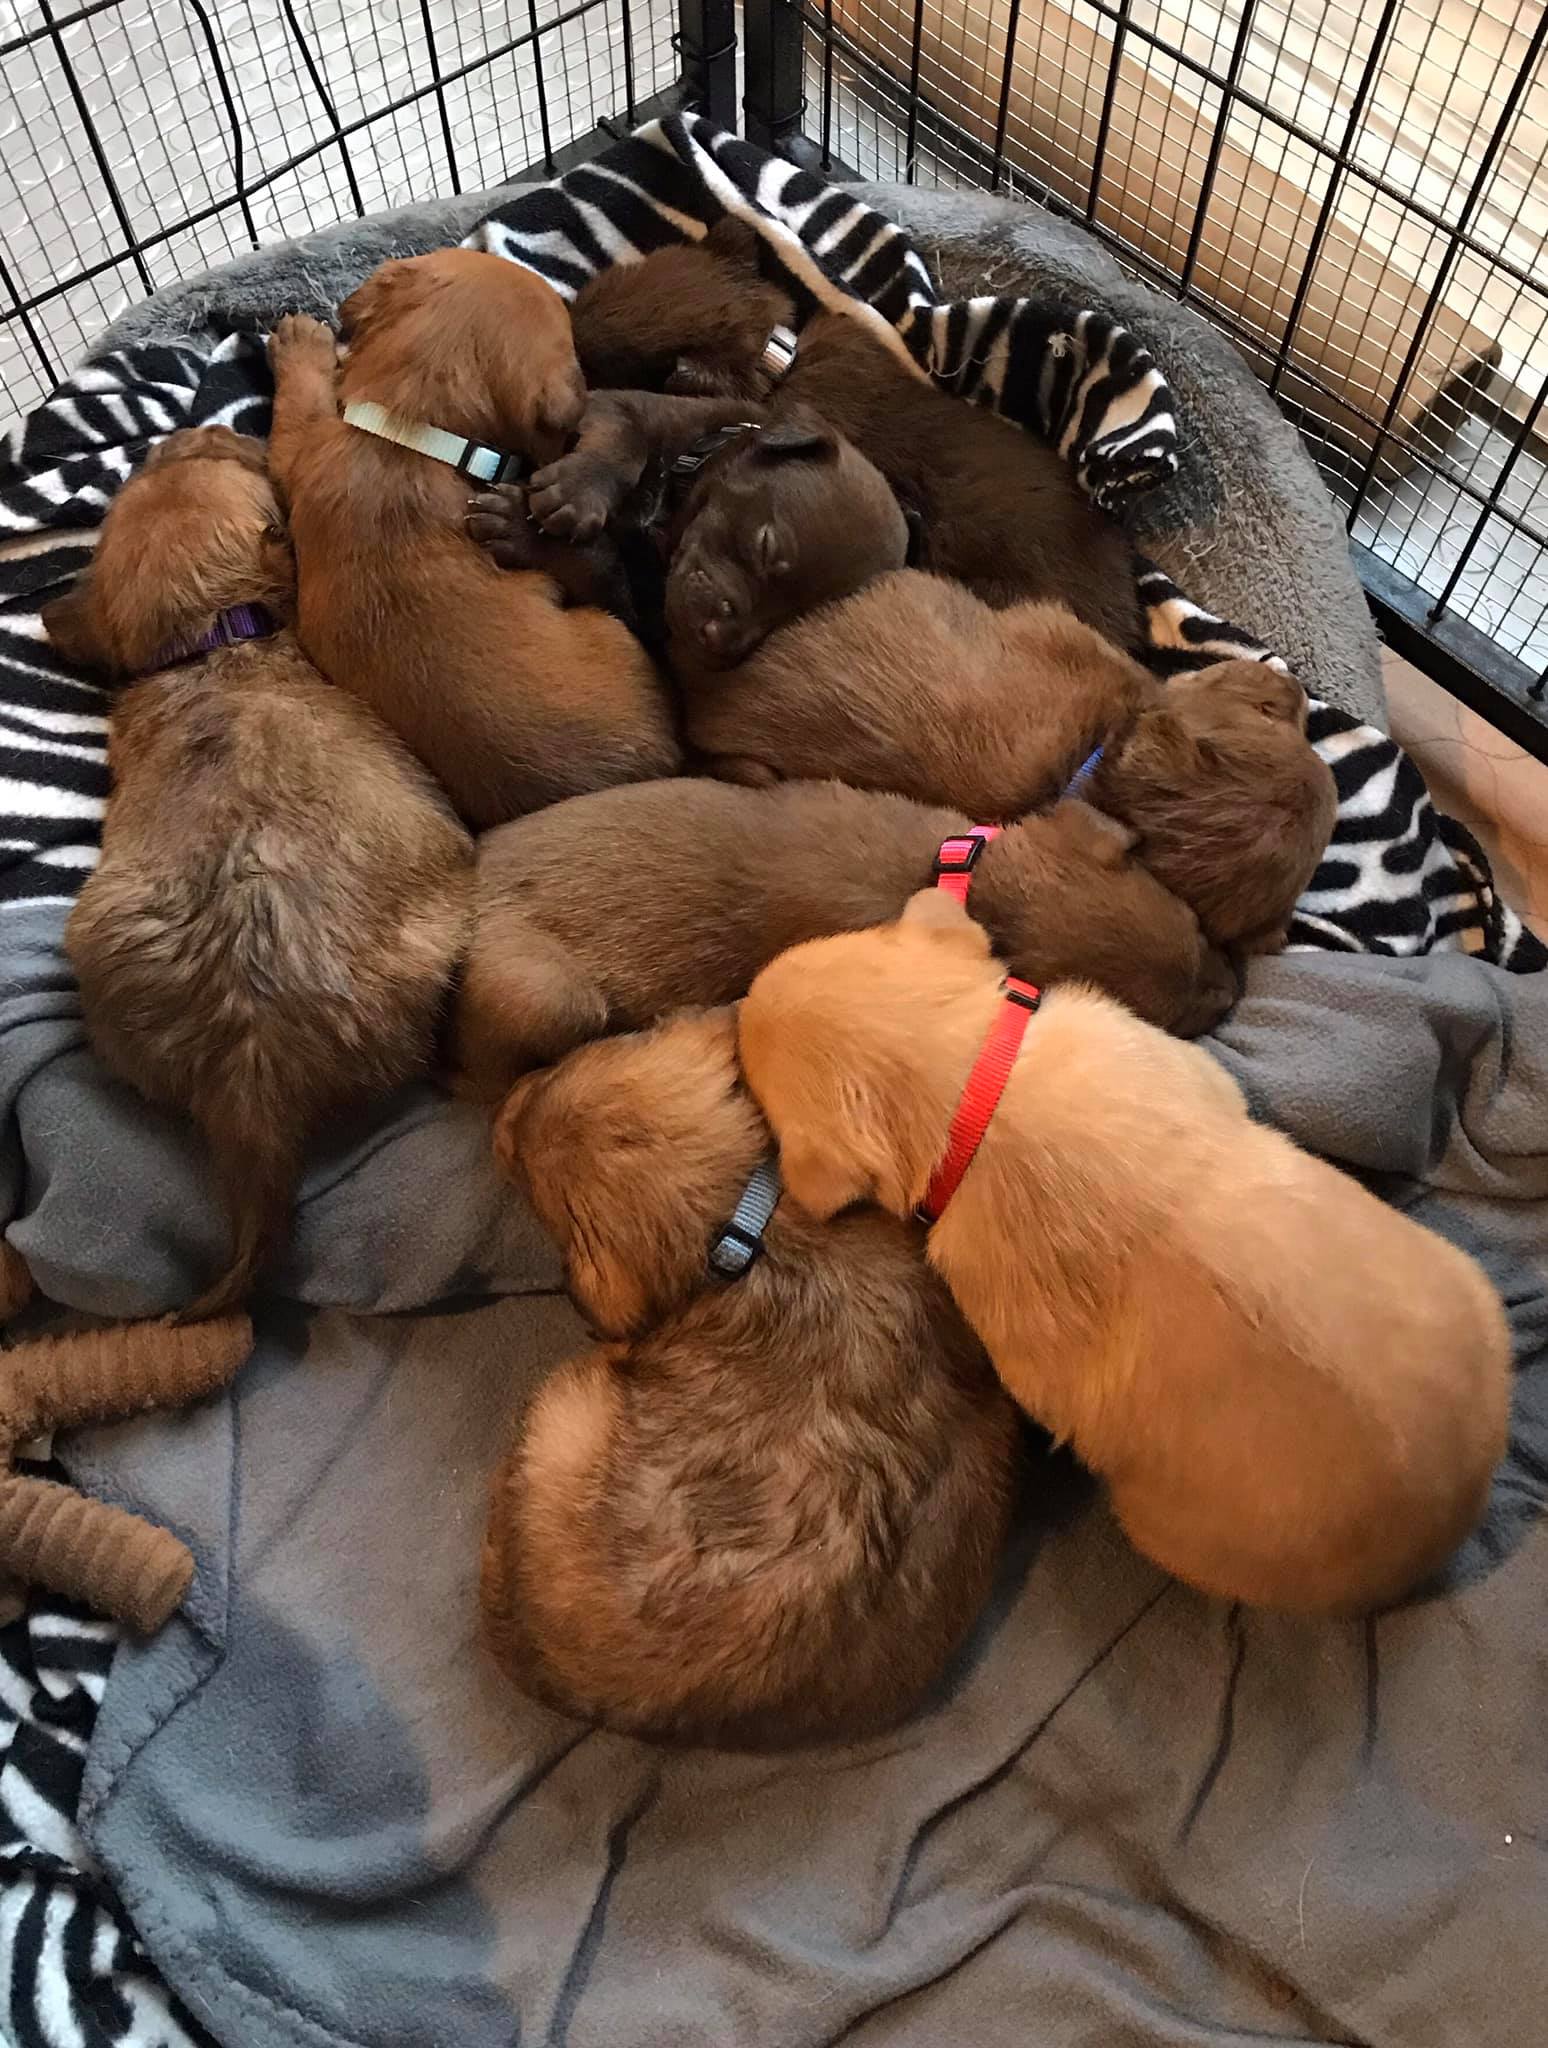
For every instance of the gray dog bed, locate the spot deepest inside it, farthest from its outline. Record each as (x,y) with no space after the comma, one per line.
(1131,1815)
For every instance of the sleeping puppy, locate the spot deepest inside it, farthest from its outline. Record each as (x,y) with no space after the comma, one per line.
(283,891)
(768,1510)
(694,318)
(608,912)
(978,500)
(915,685)
(510,698)
(1296,1395)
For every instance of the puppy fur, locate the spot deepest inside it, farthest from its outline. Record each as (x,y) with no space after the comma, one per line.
(512,699)
(1231,807)
(283,892)
(995,509)
(1296,1395)
(692,318)
(608,912)
(769,1510)
(915,685)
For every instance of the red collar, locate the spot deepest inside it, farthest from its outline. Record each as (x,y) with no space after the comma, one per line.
(958,856)
(981,1096)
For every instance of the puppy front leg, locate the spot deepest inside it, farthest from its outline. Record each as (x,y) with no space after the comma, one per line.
(621,434)
(303,361)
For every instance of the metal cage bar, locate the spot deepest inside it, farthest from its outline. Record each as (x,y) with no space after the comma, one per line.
(141,142)
(1434,447)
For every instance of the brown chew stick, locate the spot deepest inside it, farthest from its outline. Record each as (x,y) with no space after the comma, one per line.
(52,1535)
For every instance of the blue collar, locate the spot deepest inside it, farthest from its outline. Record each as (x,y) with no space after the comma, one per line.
(742,1239)
(1084,773)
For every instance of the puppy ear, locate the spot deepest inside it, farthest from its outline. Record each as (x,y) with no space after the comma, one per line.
(734,241)
(68,624)
(367,301)
(800,435)
(817,1175)
(606,1292)
(933,910)
(1104,839)
(507,1122)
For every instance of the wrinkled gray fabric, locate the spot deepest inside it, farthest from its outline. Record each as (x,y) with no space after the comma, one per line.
(1135,1816)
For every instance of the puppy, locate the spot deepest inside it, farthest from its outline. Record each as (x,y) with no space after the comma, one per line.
(692,318)
(283,892)
(510,698)
(1232,808)
(608,912)
(1295,1394)
(767,1511)
(915,685)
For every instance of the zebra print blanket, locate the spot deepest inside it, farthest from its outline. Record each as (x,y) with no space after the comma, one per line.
(1398,879)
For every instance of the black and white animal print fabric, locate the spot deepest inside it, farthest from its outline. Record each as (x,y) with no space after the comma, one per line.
(1398,878)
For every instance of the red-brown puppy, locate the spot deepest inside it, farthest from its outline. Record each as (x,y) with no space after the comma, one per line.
(1296,1395)
(608,912)
(914,684)
(512,699)
(283,891)
(768,1512)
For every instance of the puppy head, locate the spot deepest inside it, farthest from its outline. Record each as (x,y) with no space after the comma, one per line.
(475,343)
(792,518)
(836,1044)
(633,1151)
(196,529)
(1067,899)
(1231,806)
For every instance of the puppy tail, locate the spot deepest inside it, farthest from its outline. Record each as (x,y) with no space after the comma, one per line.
(258,1175)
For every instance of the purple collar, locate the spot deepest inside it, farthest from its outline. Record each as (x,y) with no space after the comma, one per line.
(237,622)
(1084,773)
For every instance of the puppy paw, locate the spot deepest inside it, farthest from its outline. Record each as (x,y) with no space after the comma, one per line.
(298,338)
(574,498)
(498,521)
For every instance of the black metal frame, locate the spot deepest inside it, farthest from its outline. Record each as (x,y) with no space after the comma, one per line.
(794,46)
(704,41)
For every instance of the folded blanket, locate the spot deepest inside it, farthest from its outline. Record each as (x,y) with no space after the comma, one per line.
(407,1855)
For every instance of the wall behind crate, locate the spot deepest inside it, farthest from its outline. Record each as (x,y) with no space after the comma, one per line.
(143,140)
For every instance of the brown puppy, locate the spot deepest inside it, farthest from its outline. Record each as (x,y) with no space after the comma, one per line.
(606,913)
(1232,807)
(510,698)
(915,685)
(769,1512)
(283,892)
(1296,1395)
(695,318)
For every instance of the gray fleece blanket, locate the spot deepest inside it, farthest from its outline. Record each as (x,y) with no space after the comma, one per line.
(1129,1816)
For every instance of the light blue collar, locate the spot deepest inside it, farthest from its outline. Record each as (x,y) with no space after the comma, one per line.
(742,1239)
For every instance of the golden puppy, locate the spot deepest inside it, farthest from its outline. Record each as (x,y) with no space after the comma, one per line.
(1296,1395)
(914,684)
(769,1510)
(512,699)
(283,891)
(606,913)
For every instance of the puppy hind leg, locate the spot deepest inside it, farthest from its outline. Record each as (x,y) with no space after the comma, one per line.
(523,1003)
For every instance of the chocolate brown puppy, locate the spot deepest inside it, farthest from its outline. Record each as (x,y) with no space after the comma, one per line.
(915,685)
(768,1513)
(1232,808)
(512,699)
(608,912)
(998,510)
(850,427)
(283,891)
(694,318)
